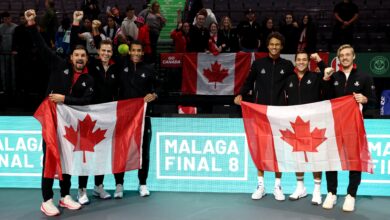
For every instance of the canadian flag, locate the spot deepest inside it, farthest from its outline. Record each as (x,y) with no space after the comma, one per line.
(321,136)
(206,74)
(92,139)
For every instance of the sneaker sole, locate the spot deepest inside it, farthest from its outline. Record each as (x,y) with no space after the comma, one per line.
(63,205)
(299,197)
(98,196)
(49,214)
(316,203)
(260,197)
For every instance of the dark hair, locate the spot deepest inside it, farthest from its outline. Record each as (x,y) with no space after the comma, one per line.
(105,42)
(136,42)
(79,47)
(5,14)
(129,8)
(276,35)
(301,52)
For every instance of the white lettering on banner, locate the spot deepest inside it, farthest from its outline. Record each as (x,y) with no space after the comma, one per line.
(22,144)
(209,148)
(211,156)
(15,161)
(380,149)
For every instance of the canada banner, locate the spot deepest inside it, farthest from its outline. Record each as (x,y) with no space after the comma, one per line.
(206,74)
(321,136)
(93,139)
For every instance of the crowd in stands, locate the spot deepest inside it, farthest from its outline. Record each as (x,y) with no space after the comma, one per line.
(198,30)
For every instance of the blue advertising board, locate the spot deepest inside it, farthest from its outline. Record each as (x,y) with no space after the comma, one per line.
(187,155)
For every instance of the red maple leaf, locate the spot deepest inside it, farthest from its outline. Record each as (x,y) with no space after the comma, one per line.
(303,139)
(216,73)
(84,139)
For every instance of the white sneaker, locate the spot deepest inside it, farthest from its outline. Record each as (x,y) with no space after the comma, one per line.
(330,201)
(82,196)
(298,193)
(99,191)
(316,199)
(118,191)
(49,208)
(69,203)
(259,193)
(349,204)
(143,191)
(278,193)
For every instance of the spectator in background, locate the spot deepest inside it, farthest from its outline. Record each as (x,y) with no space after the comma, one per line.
(62,39)
(116,14)
(180,35)
(91,8)
(144,38)
(228,36)
(345,13)
(89,37)
(249,32)
(199,35)
(308,35)
(156,21)
(267,28)
(49,24)
(6,31)
(111,28)
(209,17)
(128,28)
(214,45)
(193,7)
(290,30)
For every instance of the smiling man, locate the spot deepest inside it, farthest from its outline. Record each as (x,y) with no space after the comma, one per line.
(266,80)
(137,79)
(306,87)
(349,80)
(71,84)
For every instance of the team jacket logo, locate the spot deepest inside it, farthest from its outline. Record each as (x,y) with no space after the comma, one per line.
(83,84)
(98,68)
(336,83)
(143,75)
(308,82)
(66,71)
(262,71)
(291,85)
(126,69)
(357,83)
(282,72)
(113,76)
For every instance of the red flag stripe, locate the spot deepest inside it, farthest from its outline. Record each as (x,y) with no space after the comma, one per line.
(241,70)
(350,135)
(128,132)
(260,137)
(190,74)
(46,114)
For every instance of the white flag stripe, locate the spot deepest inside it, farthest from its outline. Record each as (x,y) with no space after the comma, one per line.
(205,61)
(327,157)
(97,162)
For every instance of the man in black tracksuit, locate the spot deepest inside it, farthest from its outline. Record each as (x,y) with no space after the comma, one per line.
(136,80)
(349,81)
(268,75)
(104,71)
(302,88)
(70,84)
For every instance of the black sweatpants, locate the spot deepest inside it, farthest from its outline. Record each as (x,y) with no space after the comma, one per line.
(355,178)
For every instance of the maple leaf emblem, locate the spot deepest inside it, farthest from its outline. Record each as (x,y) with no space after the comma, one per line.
(303,139)
(84,139)
(216,73)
